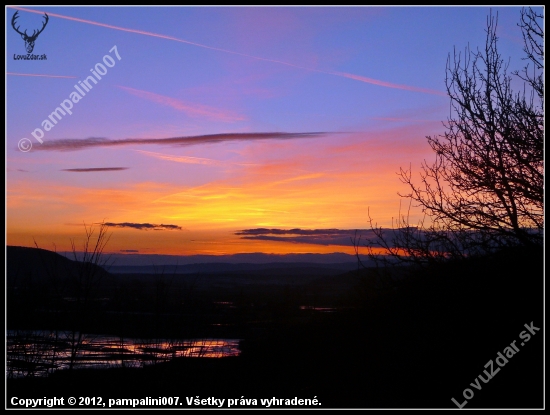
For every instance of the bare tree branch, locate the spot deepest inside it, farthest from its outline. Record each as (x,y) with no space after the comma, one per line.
(485,189)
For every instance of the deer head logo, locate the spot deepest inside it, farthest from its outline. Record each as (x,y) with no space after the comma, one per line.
(29,40)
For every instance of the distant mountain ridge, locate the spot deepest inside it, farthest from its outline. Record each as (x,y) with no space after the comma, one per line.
(250,258)
(39,262)
(198,268)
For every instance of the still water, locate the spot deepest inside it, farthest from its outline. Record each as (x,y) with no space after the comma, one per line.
(39,353)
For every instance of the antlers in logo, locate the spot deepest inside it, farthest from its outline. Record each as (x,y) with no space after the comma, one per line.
(29,40)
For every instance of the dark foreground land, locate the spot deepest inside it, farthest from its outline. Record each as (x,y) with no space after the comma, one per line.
(413,342)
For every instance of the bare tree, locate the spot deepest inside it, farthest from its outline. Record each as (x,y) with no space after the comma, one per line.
(75,286)
(484,191)
(533,36)
(90,270)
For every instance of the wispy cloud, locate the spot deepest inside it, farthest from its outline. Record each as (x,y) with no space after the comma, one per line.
(306,236)
(129,250)
(397,119)
(387,84)
(144,226)
(157,35)
(181,159)
(191,109)
(342,237)
(94,169)
(192,160)
(42,75)
(294,231)
(71,144)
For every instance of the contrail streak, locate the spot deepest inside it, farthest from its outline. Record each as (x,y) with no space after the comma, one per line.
(340,74)
(33,74)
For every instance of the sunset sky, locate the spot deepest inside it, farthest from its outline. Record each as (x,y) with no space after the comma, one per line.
(217,122)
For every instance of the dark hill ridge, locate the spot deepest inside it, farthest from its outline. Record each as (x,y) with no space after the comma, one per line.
(324,269)
(246,258)
(36,264)
(52,271)
(40,263)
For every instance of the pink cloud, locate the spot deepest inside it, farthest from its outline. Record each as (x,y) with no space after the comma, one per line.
(42,75)
(341,74)
(386,84)
(192,160)
(191,109)
(181,159)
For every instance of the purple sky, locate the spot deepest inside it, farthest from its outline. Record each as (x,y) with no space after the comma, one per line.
(280,118)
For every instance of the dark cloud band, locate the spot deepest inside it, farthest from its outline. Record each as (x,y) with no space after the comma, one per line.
(73,144)
(341,237)
(144,226)
(297,231)
(92,169)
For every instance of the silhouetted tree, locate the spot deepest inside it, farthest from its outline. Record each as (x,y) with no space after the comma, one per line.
(485,189)
(87,281)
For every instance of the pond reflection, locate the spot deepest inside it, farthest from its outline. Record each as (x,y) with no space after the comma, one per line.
(39,353)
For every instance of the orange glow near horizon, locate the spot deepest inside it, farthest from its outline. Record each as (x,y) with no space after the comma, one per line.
(268,185)
(204,122)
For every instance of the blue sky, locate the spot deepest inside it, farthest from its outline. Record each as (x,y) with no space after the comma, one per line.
(371,79)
